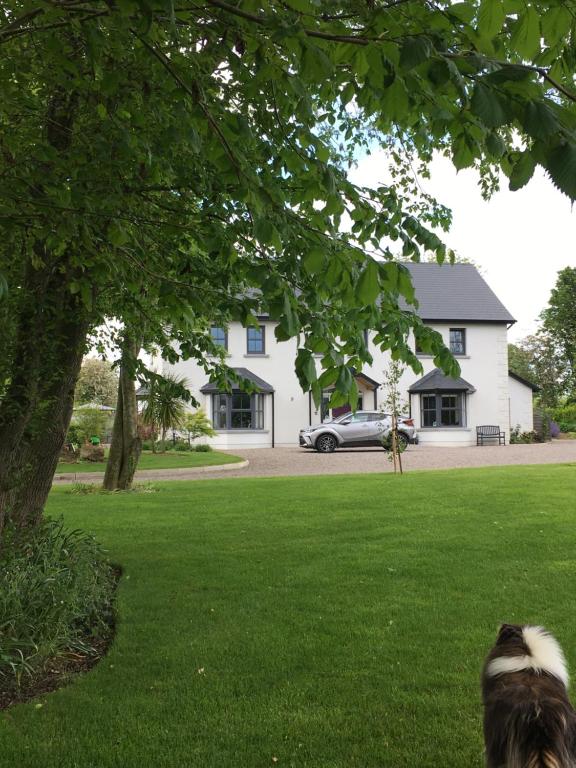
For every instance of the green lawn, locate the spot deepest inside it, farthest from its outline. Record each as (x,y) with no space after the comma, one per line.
(170,460)
(325,622)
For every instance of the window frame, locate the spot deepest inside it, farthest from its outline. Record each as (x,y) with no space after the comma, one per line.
(256,411)
(260,351)
(460,409)
(225,331)
(461,331)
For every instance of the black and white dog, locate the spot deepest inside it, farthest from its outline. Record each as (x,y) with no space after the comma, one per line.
(528,719)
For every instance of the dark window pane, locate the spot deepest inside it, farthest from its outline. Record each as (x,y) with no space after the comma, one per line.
(240,401)
(258,411)
(219,411)
(218,335)
(255,337)
(458,341)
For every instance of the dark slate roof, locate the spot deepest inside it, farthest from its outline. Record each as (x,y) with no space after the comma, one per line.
(455,293)
(437,381)
(244,373)
(522,380)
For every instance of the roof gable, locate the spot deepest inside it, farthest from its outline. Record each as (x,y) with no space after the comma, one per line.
(455,293)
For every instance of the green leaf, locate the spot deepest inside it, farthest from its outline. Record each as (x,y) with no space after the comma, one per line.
(509,73)
(495,145)
(102,111)
(395,101)
(561,167)
(522,171)
(556,24)
(117,234)
(539,121)
(462,11)
(360,63)
(526,35)
(266,233)
(414,51)
(314,261)
(368,288)
(344,380)
(486,105)
(490,18)
(462,154)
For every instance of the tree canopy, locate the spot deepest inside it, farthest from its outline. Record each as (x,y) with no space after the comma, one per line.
(97,383)
(180,164)
(559,320)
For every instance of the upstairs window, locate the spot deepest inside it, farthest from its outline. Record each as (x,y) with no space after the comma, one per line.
(255,341)
(458,341)
(219,336)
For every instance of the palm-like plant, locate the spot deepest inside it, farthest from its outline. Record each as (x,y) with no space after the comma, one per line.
(165,405)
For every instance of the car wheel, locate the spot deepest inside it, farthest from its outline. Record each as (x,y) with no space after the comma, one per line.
(402,441)
(326,444)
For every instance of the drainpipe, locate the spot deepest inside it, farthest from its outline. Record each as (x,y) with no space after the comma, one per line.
(273,424)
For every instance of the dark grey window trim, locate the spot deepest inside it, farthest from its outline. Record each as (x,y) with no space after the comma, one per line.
(460,408)
(461,351)
(260,351)
(223,328)
(257,409)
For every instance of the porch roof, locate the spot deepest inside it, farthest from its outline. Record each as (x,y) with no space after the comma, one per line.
(437,381)
(212,387)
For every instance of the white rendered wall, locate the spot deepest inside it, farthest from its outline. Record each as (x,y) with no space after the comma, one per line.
(485,367)
(521,409)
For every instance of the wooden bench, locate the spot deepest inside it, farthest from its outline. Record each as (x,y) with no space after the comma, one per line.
(490,432)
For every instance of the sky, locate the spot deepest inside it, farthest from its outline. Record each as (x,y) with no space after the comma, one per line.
(519,239)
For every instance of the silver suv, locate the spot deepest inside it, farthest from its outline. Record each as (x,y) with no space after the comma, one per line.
(354,430)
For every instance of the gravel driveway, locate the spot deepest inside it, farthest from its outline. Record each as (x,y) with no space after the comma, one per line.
(269,462)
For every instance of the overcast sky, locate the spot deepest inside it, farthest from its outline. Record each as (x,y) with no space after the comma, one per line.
(520,239)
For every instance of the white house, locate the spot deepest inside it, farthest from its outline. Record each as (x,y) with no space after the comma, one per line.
(454,300)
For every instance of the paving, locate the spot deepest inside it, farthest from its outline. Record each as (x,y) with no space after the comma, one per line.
(276,462)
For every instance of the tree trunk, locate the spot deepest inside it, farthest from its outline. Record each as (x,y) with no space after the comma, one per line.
(126,444)
(36,409)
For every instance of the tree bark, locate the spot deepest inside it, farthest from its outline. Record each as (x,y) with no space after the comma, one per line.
(36,409)
(126,444)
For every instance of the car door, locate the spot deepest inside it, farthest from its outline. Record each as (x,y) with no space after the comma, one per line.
(354,429)
(377,427)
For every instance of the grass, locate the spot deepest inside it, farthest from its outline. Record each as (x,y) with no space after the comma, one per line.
(149,460)
(322,622)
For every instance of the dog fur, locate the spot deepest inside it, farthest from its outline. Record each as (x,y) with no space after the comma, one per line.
(528,719)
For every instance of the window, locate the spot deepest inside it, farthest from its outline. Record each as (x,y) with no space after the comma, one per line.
(219,336)
(255,344)
(443,409)
(458,341)
(238,411)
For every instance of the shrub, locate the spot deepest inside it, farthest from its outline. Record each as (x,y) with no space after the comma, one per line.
(57,590)
(203,448)
(565,417)
(516,436)
(182,445)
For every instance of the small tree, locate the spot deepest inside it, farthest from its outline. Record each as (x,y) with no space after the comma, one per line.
(89,422)
(165,406)
(198,424)
(97,383)
(394,403)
